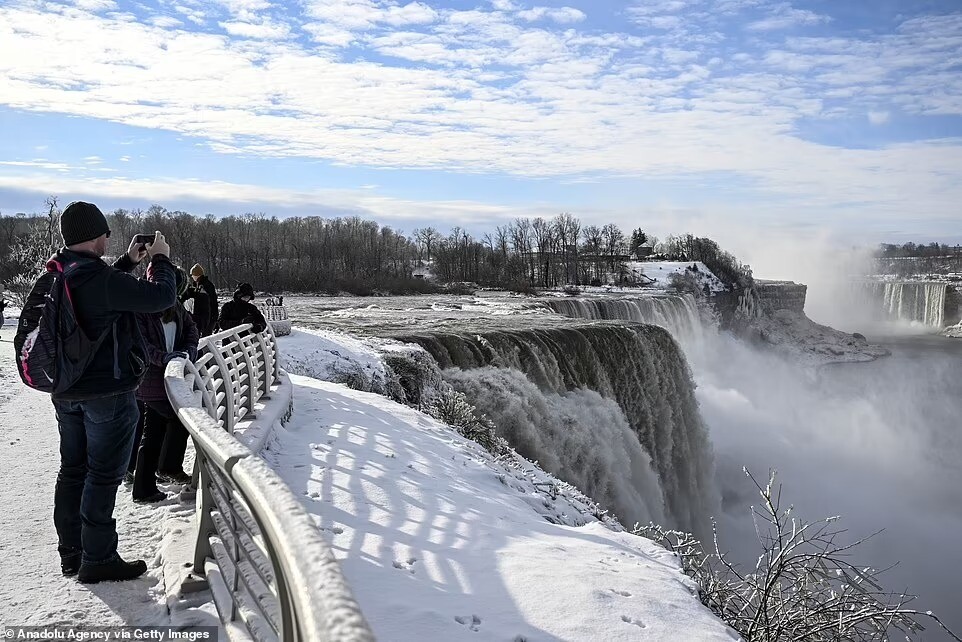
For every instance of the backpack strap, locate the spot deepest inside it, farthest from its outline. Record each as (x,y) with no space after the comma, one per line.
(70,268)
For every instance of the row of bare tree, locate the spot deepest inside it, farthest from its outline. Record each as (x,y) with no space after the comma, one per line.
(314,254)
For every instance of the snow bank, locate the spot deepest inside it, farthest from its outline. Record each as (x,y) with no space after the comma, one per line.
(661,272)
(440,540)
(334,356)
(796,336)
(953,331)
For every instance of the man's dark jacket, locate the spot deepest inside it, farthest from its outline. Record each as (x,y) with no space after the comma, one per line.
(211,291)
(102,294)
(236,312)
(152,329)
(201,312)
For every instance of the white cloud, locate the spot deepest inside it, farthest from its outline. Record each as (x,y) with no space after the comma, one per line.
(164,21)
(196,16)
(363,15)
(878,117)
(361,202)
(39,164)
(264,31)
(95,5)
(493,94)
(562,15)
(783,16)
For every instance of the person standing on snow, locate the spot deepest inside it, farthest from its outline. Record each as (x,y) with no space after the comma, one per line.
(240,310)
(97,416)
(169,334)
(200,281)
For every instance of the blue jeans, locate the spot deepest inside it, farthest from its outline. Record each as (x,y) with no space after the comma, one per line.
(96,436)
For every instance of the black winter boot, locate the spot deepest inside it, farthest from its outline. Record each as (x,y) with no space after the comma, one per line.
(69,560)
(150,498)
(115,571)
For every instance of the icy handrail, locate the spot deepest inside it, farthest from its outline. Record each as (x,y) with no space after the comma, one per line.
(276,316)
(270,571)
(274,312)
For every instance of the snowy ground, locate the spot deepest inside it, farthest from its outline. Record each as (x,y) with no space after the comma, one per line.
(32,590)
(437,539)
(807,343)
(954,331)
(441,542)
(657,274)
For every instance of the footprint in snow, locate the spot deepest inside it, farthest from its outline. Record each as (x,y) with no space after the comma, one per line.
(407,565)
(621,593)
(473,622)
(631,620)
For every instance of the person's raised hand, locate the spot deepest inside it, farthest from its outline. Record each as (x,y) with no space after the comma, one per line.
(159,246)
(136,251)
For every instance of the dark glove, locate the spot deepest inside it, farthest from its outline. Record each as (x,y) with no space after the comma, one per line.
(176,354)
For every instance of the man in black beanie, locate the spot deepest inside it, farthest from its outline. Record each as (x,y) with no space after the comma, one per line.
(98,415)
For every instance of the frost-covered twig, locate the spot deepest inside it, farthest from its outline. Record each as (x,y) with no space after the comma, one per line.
(802,587)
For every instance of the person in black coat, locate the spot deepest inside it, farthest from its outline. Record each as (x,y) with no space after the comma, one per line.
(97,416)
(199,308)
(240,310)
(162,439)
(200,281)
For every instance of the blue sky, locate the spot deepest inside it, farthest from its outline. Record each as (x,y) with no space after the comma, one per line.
(723,117)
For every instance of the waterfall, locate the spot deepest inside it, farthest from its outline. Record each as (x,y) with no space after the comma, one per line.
(910,301)
(609,408)
(676,313)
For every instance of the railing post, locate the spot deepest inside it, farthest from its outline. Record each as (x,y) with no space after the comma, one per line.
(205,527)
(217,352)
(253,385)
(268,360)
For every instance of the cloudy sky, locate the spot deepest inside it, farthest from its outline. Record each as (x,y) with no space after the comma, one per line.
(831,116)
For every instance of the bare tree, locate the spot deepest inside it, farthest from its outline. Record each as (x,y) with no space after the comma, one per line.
(803,586)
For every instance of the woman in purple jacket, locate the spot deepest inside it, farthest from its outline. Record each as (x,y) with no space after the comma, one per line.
(168,334)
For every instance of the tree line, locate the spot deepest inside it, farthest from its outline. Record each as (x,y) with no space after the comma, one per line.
(911,259)
(356,256)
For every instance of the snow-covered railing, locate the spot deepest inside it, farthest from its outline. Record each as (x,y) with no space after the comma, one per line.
(234,370)
(276,316)
(269,569)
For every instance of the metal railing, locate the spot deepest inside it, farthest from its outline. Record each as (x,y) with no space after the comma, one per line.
(276,316)
(270,571)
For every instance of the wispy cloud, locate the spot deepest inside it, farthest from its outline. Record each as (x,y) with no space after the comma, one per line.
(562,15)
(360,202)
(685,87)
(784,16)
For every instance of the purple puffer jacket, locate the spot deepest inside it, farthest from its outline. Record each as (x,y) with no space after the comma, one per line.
(151,326)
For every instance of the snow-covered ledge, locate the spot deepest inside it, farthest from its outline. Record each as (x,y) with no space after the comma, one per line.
(270,571)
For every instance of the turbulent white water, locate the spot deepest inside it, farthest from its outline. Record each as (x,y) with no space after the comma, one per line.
(594,381)
(676,313)
(578,436)
(909,301)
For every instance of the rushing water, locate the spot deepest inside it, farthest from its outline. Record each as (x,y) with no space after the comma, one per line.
(604,399)
(908,302)
(610,408)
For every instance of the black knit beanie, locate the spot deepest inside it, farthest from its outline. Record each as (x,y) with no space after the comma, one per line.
(81,222)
